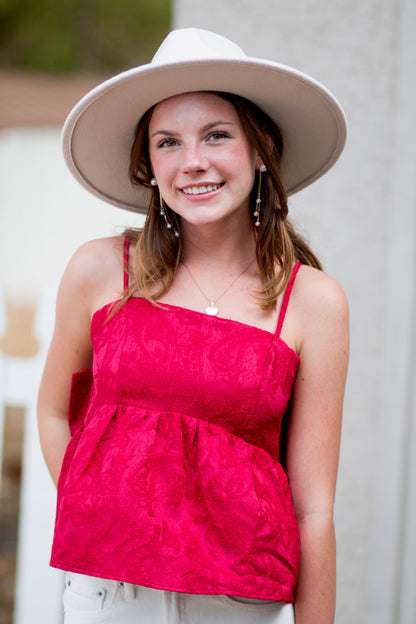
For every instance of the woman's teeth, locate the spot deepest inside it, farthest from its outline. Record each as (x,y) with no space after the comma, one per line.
(199,190)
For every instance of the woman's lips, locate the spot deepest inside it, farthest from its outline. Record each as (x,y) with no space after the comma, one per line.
(201,190)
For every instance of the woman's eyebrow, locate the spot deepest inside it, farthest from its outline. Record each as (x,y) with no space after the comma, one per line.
(216,123)
(211,124)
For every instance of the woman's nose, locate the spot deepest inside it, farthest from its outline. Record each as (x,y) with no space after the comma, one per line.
(194,159)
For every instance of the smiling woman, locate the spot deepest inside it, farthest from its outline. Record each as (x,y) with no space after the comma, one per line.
(172,501)
(276,241)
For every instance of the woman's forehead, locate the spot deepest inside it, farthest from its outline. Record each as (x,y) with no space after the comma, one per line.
(193,104)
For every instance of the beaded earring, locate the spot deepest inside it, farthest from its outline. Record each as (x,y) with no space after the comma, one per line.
(162,211)
(256,212)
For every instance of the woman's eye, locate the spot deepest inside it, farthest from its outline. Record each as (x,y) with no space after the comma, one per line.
(167,143)
(218,135)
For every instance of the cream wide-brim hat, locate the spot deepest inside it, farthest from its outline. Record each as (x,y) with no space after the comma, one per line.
(99,132)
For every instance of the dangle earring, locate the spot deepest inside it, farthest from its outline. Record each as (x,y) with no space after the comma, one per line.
(256,212)
(162,211)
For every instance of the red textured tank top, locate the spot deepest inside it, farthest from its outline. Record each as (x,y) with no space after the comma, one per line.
(172,477)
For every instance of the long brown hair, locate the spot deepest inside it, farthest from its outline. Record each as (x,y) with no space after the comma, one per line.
(158,252)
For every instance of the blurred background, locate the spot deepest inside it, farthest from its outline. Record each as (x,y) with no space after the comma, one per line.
(51,53)
(360,218)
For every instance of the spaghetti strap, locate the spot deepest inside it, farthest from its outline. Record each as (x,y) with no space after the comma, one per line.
(287,297)
(126,262)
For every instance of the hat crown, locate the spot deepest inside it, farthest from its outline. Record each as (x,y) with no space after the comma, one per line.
(195,44)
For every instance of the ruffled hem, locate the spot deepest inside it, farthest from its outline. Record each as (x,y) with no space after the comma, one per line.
(146,496)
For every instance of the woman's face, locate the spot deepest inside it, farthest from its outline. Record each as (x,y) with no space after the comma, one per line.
(201,158)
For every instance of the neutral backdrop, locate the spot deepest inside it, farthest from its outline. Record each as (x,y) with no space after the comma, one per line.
(360,218)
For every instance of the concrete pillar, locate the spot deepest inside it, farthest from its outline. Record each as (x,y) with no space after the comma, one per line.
(360,218)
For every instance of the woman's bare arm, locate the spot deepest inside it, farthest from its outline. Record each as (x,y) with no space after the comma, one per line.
(314,438)
(93,278)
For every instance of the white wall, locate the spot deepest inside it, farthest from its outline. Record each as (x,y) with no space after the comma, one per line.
(360,218)
(44,214)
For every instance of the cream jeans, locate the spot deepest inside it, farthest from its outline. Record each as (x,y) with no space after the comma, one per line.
(90,600)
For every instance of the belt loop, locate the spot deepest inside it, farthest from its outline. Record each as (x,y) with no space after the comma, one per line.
(129,591)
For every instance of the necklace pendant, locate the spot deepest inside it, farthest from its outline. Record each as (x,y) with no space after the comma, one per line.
(211,310)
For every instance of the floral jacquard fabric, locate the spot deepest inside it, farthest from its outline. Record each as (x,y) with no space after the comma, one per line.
(172,477)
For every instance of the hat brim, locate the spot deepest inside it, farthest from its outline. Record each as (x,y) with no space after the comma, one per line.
(99,132)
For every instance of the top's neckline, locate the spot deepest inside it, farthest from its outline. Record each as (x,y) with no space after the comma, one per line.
(198,314)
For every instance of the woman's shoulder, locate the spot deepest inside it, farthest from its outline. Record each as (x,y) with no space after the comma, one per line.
(318,289)
(93,252)
(319,304)
(95,270)
(96,257)
(318,307)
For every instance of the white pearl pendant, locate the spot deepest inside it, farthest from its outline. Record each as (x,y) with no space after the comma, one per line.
(211,310)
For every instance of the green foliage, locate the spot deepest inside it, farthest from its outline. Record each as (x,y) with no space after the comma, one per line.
(81,35)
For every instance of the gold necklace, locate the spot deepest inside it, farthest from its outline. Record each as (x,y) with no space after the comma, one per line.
(212,309)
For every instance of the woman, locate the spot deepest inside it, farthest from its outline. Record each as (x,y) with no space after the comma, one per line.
(172,502)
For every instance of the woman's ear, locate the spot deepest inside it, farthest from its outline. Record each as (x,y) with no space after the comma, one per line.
(269,139)
(260,166)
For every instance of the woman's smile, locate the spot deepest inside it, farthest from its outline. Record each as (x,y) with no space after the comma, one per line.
(202,191)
